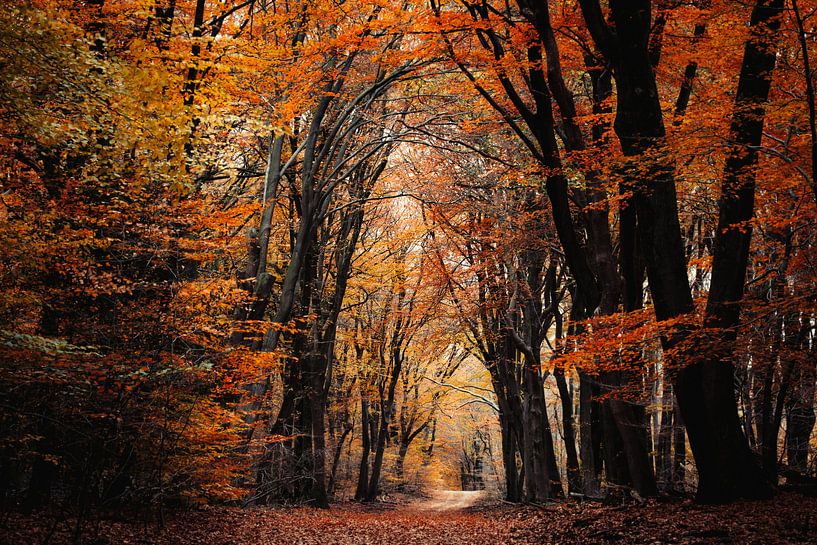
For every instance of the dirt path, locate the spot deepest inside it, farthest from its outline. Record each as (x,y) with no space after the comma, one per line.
(449,518)
(449,500)
(423,524)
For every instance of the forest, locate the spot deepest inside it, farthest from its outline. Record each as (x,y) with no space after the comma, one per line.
(408,271)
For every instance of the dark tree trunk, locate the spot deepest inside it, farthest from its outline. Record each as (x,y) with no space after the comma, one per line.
(399,464)
(509,450)
(537,476)
(808,74)
(616,469)
(634,432)
(574,476)
(317,406)
(630,418)
(366,447)
(590,439)
(663,460)
(377,464)
(680,450)
(691,70)
(510,419)
(624,416)
(430,434)
(302,452)
(554,477)
(160,23)
(800,420)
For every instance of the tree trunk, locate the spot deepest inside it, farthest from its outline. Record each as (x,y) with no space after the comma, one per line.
(664,446)
(509,420)
(574,476)
(800,417)
(377,464)
(399,464)
(554,477)
(680,450)
(537,476)
(590,436)
(800,420)
(386,410)
(509,450)
(366,447)
(317,405)
(336,459)
(632,428)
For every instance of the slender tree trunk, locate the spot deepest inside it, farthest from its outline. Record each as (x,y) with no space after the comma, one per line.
(333,474)
(303,462)
(386,410)
(800,417)
(164,13)
(556,490)
(366,446)
(377,464)
(808,76)
(680,450)
(317,405)
(399,464)
(574,476)
(664,446)
(590,436)
(691,70)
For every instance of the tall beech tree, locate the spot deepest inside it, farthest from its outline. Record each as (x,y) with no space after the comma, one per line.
(726,468)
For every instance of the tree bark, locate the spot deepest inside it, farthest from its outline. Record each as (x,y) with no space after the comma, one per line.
(680,450)
(574,476)
(590,436)
(366,446)
(663,460)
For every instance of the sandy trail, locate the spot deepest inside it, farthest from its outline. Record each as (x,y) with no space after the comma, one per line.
(449,500)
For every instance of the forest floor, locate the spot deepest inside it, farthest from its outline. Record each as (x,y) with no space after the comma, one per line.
(453,518)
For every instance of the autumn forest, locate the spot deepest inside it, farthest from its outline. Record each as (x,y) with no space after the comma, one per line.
(416,271)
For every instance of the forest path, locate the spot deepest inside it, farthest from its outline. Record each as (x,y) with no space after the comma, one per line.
(441,521)
(448,518)
(449,500)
